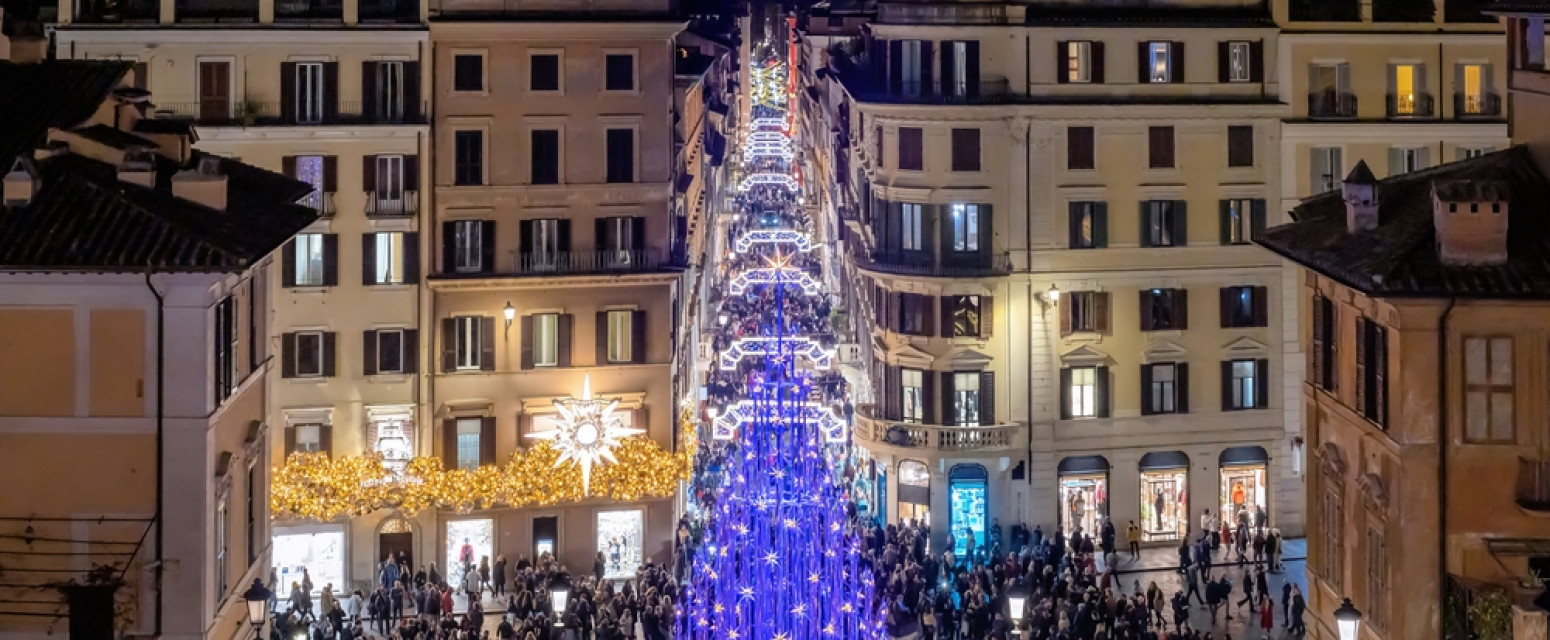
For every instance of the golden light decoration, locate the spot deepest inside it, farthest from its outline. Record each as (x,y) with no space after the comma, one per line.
(313,486)
(587,432)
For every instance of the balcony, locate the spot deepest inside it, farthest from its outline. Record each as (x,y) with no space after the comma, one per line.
(308,11)
(927,438)
(1331,105)
(383,205)
(1467,11)
(921,264)
(1326,10)
(228,113)
(322,201)
(217,11)
(950,14)
(118,12)
(1403,11)
(389,12)
(572,263)
(1483,106)
(985,91)
(1410,106)
(1534,485)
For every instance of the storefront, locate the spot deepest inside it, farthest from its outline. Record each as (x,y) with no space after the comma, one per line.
(1084,493)
(967,487)
(914,492)
(621,539)
(1244,488)
(1164,496)
(319,549)
(467,541)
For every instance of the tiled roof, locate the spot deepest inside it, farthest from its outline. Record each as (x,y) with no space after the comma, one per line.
(1108,14)
(1399,258)
(35,97)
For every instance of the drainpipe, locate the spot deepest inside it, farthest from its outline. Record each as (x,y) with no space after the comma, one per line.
(1442,460)
(1028,250)
(161,419)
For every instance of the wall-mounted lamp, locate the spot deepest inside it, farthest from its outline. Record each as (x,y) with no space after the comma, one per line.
(511,314)
(1050,297)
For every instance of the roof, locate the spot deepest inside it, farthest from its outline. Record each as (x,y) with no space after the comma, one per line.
(114,138)
(692,63)
(1399,257)
(47,95)
(1143,15)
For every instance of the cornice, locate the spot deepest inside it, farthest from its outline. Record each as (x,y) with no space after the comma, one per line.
(511,283)
(449,28)
(312,133)
(456,197)
(1305,131)
(232,37)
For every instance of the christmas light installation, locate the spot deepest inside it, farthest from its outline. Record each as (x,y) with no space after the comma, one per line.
(773,236)
(743,412)
(587,432)
(822,359)
(768,136)
(783,275)
(768,179)
(768,124)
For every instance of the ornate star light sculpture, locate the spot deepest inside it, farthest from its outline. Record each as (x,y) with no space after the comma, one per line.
(587,432)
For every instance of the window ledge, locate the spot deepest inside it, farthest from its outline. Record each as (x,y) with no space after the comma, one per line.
(390,378)
(310,289)
(395,287)
(1085,337)
(310,379)
(1164,333)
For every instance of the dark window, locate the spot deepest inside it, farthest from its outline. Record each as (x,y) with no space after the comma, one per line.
(545,72)
(1089,225)
(619,71)
(1080,148)
(546,156)
(468,154)
(913,314)
(390,350)
(966,149)
(1160,147)
(1084,312)
(1164,388)
(1162,223)
(1325,341)
(621,155)
(225,348)
(309,354)
(1244,307)
(1240,146)
(1243,219)
(911,149)
(1372,367)
(468,72)
(1164,309)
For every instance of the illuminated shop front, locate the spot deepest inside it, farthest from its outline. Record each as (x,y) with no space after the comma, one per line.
(1243,484)
(1164,496)
(468,541)
(1084,493)
(914,492)
(967,492)
(621,539)
(318,549)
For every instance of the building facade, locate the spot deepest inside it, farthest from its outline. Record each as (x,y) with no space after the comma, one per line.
(331,94)
(136,368)
(1026,230)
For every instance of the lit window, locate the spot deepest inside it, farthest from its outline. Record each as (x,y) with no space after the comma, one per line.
(911,215)
(1158,53)
(620,330)
(1084,392)
(468,432)
(966,227)
(1245,385)
(389,267)
(468,245)
(309,259)
(470,341)
(1164,390)
(966,399)
(1079,61)
(546,340)
(309,438)
(1238,62)
(912,384)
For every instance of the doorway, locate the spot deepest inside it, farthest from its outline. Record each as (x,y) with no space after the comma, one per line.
(396,538)
(214,90)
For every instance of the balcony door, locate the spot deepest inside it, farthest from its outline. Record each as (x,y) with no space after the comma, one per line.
(1328,82)
(214,89)
(390,184)
(390,92)
(543,244)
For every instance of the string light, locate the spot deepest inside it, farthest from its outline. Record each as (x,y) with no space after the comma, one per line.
(773,236)
(767,179)
(820,357)
(743,412)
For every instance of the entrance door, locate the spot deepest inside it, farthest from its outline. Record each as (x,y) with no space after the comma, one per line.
(546,529)
(393,544)
(214,90)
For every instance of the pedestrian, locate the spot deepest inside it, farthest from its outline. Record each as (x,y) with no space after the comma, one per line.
(1267,612)
(1286,602)
(1298,607)
(1208,525)
(1193,580)
(1248,591)
(498,577)
(484,574)
(1133,536)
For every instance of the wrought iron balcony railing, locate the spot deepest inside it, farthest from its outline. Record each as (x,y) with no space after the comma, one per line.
(1410,105)
(1477,105)
(379,205)
(917,263)
(1331,105)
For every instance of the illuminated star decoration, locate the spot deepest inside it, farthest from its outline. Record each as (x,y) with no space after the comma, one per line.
(587,431)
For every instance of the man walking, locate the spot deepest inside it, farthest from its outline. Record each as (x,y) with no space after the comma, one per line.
(1133,536)
(1208,525)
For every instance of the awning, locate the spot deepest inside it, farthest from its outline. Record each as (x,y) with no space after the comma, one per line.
(967,472)
(1242,456)
(1083,464)
(1159,460)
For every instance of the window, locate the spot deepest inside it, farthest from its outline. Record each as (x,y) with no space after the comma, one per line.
(1377,577)
(620,331)
(1083,392)
(1238,62)
(1089,225)
(1372,368)
(1242,220)
(910,63)
(966,149)
(312,170)
(545,156)
(619,72)
(468,342)
(543,245)
(619,237)
(544,70)
(620,154)
(1240,146)
(546,339)
(1080,149)
(1407,160)
(468,154)
(1332,512)
(310,260)
(389,188)
(1325,340)
(1473,85)
(250,508)
(1084,312)
(1244,307)
(1407,89)
(221,546)
(309,92)
(912,390)
(1159,62)
(1163,386)
(468,446)
(309,438)
(913,314)
(309,354)
(1488,390)
(387,258)
(390,352)
(911,220)
(389,92)
(1465,153)
(1164,309)
(966,399)
(1079,62)
(225,349)
(1162,223)
(1328,170)
(1245,384)
(1160,147)
(468,72)
(392,441)
(468,246)
(965,221)
(911,154)
(960,59)
(964,313)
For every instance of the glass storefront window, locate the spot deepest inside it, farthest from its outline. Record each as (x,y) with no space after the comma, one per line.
(1244,495)
(620,539)
(914,492)
(1084,501)
(967,493)
(467,542)
(1164,504)
(320,553)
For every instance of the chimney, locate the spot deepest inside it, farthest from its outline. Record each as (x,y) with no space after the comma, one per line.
(1360,192)
(203,183)
(21,184)
(138,167)
(1470,219)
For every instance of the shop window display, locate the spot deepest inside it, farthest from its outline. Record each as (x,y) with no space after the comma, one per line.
(1243,494)
(914,492)
(468,541)
(620,539)
(1084,502)
(321,554)
(967,494)
(1164,504)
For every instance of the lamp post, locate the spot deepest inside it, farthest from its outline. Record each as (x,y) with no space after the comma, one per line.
(257,598)
(1016,607)
(559,596)
(1348,620)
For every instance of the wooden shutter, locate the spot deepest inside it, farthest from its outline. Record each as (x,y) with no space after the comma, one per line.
(1261,383)
(1065,393)
(1256,217)
(948,56)
(1181,387)
(928,399)
(564,327)
(1146,390)
(1226,299)
(1176,62)
(330,91)
(1227,385)
(1379,365)
(1257,61)
(411,92)
(1361,365)
(288,91)
(1100,225)
(987,316)
(895,67)
(971,67)
(411,173)
(892,394)
(949,325)
(1143,70)
(987,397)
(1260,299)
(368,259)
(527,342)
(369,90)
(287,355)
(562,235)
(1063,58)
(638,337)
(927,64)
(449,444)
(1223,62)
(1180,300)
(1065,318)
(1145,308)
(328,354)
(330,259)
(1096,73)
(1074,215)
(1102,313)
(290,441)
(486,441)
(448,345)
(922,309)
(1101,391)
(288,166)
(1224,221)
(948,387)
(411,257)
(987,230)
(330,174)
(601,335)
(486,343)
(288,263)
(369,352)
(487,246)
(369,174)
(1180,223)
(448,247)
(1316,353)
(638,233)
(326,439)
(411,351)
(1145,218)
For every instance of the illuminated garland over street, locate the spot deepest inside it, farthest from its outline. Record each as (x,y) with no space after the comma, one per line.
(312,486)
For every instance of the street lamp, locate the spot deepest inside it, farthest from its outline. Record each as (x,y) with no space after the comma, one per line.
(1016,605)
(1348,620)
(559,595)
(257,598)
(510,313)
(1053,294)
